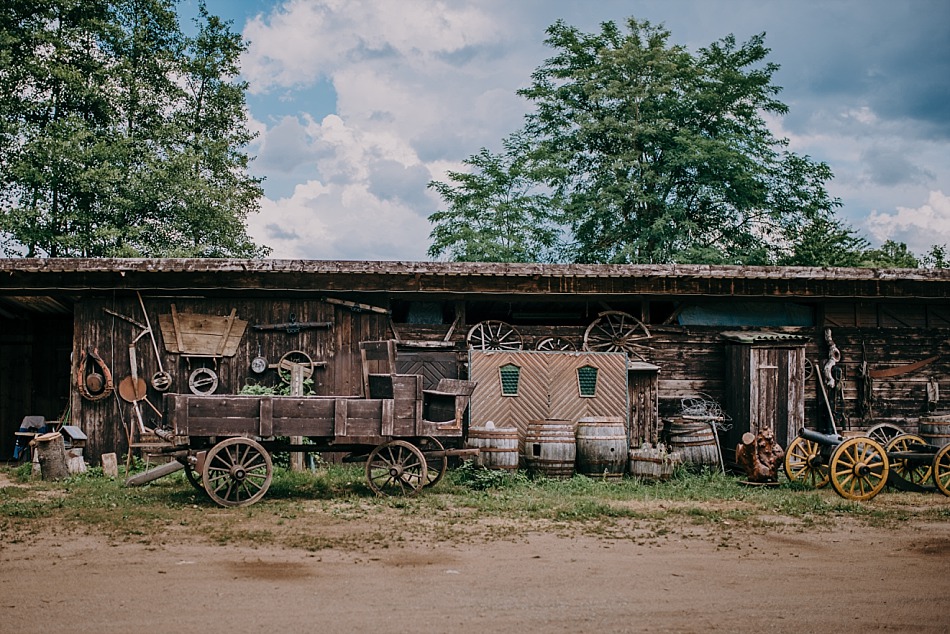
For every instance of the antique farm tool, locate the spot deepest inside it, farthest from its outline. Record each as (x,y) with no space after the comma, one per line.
(203,381)
(617,331)
(356,307)
(293,326)
(901,369)
(97,384)
(197,335)
(161,380)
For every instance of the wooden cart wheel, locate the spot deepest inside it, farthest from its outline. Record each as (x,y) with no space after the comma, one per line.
(435,466)
(616,331)
(858,468)
(555,343)
(396,468)
(192,475)
(941,470)
(494,335)
(237,471)
(883,433)
(803,463)
(293,358)
(203,381)
(914,471)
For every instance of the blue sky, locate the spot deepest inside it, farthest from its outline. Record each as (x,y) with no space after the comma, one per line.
(360,103)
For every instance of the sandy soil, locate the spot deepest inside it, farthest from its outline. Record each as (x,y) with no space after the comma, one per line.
(849,579)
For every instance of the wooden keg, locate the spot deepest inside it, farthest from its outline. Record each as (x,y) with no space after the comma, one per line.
(653,463)
(497,446)
(550,448)
(601,446)
(696,442)
(935,430)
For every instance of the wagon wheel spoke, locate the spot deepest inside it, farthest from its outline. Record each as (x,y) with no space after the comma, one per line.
(555,344)
(915,471)
(941,470)
(237,471)
(804,463)
(883,433)
(616,331)
(859,468)
(396,468)
(494,335)
(436,466)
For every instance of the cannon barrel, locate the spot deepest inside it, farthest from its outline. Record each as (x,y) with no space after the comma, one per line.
(825,440)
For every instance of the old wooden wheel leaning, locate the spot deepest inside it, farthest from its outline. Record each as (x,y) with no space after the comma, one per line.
(396,468)
(559,344)
(494,335)
(285,366)
(858,469)
(803,463)
(914,471)
(941,470)
(237,471)
(883,433)
(436,465)
(617,331)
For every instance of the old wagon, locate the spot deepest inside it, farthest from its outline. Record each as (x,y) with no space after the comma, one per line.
(402,432)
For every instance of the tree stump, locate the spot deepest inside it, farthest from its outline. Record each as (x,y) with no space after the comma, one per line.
(51,454)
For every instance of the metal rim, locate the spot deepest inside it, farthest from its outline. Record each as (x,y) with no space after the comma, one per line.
(916,472)
(203,381)
(494,335)
(396,468)
(161,381)
(803,463)
(941,470)
(237,472)
(859,469)
(617,331)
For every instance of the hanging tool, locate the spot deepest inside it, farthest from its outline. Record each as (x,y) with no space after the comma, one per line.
(293,326)
(161,380)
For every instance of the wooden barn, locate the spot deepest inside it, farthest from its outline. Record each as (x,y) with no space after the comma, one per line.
(92,341)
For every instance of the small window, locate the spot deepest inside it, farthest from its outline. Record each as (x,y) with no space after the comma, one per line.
(587,380)
(510,376)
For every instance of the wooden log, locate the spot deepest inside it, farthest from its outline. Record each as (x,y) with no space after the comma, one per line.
(51,454)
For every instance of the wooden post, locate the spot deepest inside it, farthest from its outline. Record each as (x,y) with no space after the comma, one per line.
(110,465)
(296,389)
(51,454)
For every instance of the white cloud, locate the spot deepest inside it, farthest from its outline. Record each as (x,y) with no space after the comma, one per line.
(919,228)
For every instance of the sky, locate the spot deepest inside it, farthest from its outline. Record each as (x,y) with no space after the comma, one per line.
(359,104)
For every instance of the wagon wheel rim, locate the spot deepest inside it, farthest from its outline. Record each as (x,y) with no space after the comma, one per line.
(293,358)
(941,470)
(858,469)
(203,381)
(913,471)
(617,331)
(555,344)
(396,468)
(494,335)
(803,463)
(194,478)
(436,466)
(883,433)
(237,472)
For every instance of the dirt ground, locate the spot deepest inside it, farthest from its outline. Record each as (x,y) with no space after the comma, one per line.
(848,579)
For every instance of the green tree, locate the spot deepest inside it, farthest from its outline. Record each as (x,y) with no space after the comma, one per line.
(936,258)
(104,149)
(825,242)
(494,213)
(891,255)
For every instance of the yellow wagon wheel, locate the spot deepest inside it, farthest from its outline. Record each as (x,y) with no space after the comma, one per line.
(941,470)
(858,468)
(915,471)
(803,463)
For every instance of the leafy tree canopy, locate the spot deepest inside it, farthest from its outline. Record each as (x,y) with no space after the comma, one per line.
(120,135)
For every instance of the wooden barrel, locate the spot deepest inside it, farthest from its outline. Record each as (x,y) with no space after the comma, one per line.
(601,446)
(550,448)
(696,442)
(653,463)
(935,430)
(497,446)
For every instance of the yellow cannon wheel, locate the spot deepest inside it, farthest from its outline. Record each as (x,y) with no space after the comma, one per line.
(803,463)
(917,472)
(941,470)
(858,469)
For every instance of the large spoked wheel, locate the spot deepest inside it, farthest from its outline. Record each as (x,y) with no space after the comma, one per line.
(884,433)
(616,331)
(859,469)
(559,344)
(237,471)
(285,366)
(396,468)
(436,466)
(494,335)
(803,463)
(914,471)
(941,470)
(192,475)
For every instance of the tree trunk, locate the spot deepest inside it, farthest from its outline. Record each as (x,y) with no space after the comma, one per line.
(51,454)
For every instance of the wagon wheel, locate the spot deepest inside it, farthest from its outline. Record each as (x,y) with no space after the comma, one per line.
(883,433)
(555,344)
(192,475)
(859,469)
(203,381)
(237,471)
(616,331)
(435,466)
(914,471)
(494,335)
(293,358)
(803,463)
(396,468)
(941,470)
